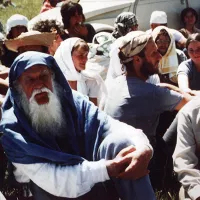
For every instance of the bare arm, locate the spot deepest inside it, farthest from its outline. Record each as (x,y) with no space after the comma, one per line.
(186,96)
(170,87)
(183,82)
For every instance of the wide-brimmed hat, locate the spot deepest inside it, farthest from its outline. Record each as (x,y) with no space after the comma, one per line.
(30,38)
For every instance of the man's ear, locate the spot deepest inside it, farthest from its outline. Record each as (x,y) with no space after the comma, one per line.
(137,60)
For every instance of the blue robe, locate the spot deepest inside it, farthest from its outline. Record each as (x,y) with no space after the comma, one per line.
(86,125)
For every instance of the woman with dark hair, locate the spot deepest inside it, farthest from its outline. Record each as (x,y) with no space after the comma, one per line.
(73,20)
(189,71)
(15,25)
(189,18)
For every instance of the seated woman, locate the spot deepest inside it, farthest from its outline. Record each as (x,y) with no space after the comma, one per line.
(189,18)
(189,71)
(171,56)
(71,56)
(15,25)
(73,20)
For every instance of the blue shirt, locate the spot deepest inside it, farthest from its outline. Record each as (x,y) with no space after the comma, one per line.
(187,68)
(140,104)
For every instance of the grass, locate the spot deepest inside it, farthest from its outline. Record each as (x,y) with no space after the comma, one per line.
(28,8)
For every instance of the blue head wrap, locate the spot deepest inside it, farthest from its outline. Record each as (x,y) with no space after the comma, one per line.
(85,125)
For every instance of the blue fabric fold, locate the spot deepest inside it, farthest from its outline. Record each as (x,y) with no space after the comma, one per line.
(86,125)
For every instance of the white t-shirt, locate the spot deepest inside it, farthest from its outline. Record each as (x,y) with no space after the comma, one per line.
(89,88)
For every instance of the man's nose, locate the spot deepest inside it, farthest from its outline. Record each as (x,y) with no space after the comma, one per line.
(38,84)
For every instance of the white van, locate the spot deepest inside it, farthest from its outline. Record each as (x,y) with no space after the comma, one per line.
(102,13)
(105,11)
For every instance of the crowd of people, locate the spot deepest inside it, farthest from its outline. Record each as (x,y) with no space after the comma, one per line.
(88,115)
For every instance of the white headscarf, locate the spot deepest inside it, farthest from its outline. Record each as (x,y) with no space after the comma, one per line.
(169,62)
(63,57)
(16,20)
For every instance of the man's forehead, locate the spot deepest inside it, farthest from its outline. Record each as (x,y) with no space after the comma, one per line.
(151,45)
(35,69)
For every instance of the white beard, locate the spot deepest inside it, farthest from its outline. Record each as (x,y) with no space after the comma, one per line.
(45,118)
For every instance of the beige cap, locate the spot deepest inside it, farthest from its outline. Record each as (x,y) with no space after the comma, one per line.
(133,43)
(30,38)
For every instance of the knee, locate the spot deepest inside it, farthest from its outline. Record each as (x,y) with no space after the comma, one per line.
(112,145)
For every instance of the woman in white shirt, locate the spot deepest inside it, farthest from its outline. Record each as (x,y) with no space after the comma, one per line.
(71,56)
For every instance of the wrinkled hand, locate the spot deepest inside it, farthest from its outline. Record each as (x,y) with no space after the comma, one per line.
(130,163)
(81,30)
(138,165)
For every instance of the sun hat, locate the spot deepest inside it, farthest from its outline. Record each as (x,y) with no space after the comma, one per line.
(158,17)
(30,38)
(16,20)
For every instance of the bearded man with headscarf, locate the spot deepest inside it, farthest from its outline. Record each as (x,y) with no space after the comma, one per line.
(63,145)
(134,101)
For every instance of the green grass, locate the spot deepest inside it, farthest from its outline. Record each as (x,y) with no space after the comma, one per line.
(28,8)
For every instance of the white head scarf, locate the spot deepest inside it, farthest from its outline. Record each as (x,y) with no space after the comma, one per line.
(64,59)
(16,20)
(169,62)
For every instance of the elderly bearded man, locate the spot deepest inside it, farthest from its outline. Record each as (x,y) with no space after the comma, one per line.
(63,145)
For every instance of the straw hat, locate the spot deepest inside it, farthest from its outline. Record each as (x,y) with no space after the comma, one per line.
(30,38)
